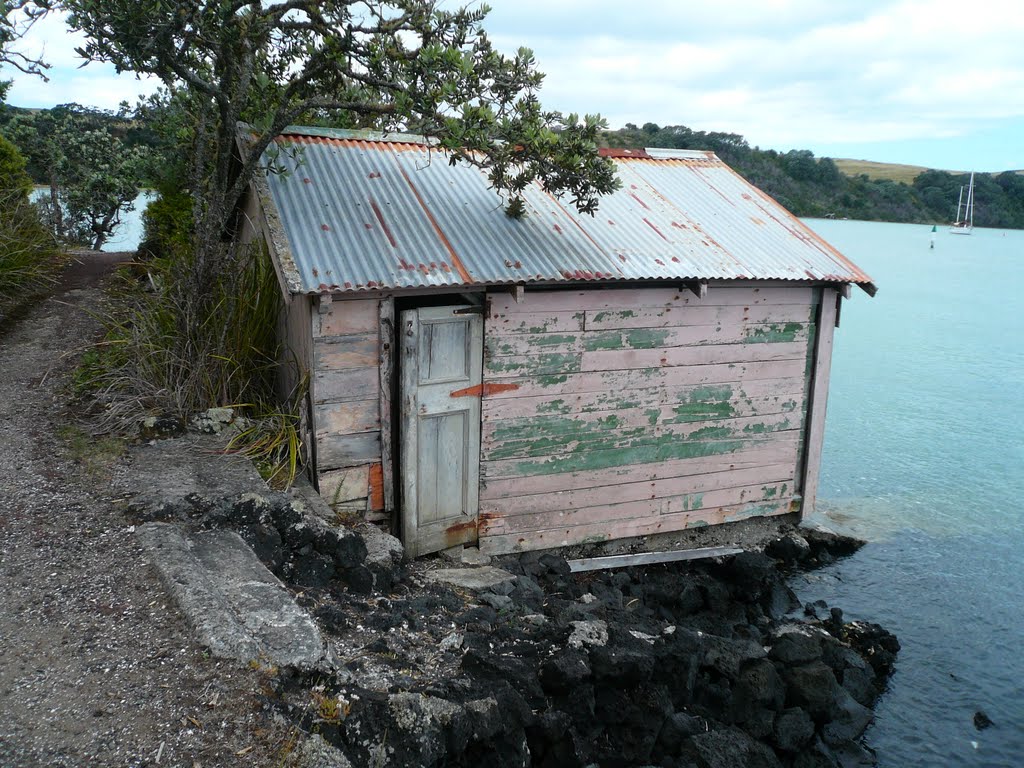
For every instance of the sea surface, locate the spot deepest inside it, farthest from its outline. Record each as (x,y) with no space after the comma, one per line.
(924,458)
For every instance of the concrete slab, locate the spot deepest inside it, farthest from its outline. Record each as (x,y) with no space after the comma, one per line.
(238,608)
(164,474)
(475,579)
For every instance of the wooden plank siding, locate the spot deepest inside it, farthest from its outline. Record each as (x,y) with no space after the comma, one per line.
(347,397)
(627,412)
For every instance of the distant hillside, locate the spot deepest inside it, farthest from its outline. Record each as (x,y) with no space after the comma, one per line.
(854,189)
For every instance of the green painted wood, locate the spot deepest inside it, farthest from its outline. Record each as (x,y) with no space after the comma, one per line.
(555,436)
(529,365)
(643,378)
(682,317)
(642,338)
(702,401)
(501,484)
(664,448)
(500,323)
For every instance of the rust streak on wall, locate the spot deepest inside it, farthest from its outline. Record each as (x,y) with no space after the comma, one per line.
(490,388)
(376,487)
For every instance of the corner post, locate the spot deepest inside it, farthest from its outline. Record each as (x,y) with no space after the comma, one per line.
(818,392)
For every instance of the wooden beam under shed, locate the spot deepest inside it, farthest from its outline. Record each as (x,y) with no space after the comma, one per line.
(649,558)
(518,293)
(699,288)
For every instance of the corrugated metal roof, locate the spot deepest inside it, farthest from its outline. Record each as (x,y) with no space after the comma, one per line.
(362,212)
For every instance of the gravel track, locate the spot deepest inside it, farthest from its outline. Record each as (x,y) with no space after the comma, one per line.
(97,667)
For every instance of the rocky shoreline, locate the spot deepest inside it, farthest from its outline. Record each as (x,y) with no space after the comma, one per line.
(708,664)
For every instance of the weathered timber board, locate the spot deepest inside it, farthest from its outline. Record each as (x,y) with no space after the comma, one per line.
(534,322)
(343,318)
(627,298)
(570,424)
(345,485)
(667,449)
(618,381)
(577,517)
(553,363)
(336,451)
(693,403)
(341,352)
(609,434)
(500,485)
(629,359)
(347,418)
(532,365)
(682,317)
(527,504)
(643,338)
(498,544)
(345,386)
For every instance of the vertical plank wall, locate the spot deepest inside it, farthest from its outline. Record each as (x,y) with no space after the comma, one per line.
(614,413)
(346,402)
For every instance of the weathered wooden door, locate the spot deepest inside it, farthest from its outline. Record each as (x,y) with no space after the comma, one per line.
(442,364)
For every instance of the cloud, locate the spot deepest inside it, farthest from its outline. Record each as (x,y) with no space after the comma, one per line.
(71,78)
(782,73)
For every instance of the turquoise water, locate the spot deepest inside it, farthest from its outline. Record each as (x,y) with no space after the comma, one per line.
(924,458)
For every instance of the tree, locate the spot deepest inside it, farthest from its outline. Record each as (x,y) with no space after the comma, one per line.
(93,177)
(393,64)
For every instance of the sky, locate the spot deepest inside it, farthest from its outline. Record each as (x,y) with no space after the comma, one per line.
(923,82)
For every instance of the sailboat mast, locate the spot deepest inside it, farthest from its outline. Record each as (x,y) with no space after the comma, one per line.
(970,200)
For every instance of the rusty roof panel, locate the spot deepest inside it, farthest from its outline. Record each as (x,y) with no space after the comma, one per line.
(362,212)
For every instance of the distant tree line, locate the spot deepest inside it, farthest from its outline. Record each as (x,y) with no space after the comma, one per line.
(813,186)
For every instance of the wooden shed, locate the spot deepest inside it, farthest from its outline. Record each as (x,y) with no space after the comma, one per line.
(557,379)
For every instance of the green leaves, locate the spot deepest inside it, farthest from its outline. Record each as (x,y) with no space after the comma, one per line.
(404,65)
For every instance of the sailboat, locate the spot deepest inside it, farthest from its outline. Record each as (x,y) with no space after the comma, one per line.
(964,223)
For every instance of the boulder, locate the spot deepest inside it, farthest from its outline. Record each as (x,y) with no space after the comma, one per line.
(563,671)
(790,548)
(729,748)
(813,687)
(793,730)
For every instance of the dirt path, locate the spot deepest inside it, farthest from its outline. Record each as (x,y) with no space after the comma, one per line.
(96,665)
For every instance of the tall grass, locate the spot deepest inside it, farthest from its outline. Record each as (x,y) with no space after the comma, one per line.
(173,352)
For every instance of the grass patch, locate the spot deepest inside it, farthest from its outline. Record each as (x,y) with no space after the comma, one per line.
(881,171)
(96,455)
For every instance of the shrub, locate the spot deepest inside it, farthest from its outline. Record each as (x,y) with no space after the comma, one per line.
(167,223)
(29,259)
